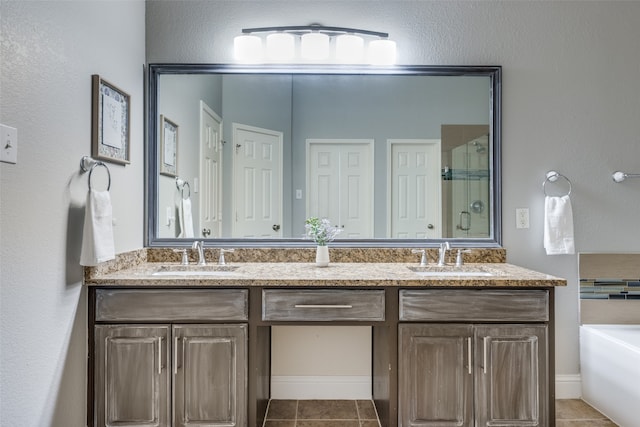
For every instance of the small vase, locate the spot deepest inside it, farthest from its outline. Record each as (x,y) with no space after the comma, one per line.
(322,256)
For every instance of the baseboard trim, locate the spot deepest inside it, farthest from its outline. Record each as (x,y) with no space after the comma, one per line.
(359,387)
(568,386)
(325,387)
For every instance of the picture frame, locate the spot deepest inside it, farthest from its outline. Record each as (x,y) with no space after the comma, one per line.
(168,147)
(110,118)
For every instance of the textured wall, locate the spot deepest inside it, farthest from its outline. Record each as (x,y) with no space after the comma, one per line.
(571,101)
(49,51)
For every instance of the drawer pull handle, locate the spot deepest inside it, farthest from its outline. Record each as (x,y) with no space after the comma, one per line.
(175,356)
(323,306)
(484,356)
(469,354)
(160,356)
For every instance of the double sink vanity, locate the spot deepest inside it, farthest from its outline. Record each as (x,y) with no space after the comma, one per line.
(174,345)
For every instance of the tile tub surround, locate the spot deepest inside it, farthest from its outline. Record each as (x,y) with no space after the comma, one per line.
(321,413)
(609,288)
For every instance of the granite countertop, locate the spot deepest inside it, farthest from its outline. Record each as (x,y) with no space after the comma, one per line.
(279,274)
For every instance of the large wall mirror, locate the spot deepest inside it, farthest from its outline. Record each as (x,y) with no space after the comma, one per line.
(402,156)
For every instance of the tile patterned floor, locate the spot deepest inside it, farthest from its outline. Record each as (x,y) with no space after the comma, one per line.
(321,413)
(576,413)
(361,413)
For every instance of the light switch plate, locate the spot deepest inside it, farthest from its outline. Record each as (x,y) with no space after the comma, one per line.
(8,144)
(522,217)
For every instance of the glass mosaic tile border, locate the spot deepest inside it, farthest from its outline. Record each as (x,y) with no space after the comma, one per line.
(610,289)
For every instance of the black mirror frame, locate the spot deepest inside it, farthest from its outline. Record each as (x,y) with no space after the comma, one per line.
(151,171)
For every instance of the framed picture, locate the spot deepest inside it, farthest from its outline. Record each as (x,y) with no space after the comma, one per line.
(110,114)
(168,147)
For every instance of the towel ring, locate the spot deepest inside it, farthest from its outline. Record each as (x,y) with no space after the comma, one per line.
(180,184)
(186,184)
(93,166)
(552,176)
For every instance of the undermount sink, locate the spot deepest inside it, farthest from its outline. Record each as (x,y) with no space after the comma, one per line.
(454,271)
(195,270)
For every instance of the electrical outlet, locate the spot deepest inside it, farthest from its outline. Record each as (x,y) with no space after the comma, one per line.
(522,217)
(8,144)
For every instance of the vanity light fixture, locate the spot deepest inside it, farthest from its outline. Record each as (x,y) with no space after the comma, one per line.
(314,43)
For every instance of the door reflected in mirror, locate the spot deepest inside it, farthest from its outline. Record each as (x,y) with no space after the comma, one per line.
(394,155)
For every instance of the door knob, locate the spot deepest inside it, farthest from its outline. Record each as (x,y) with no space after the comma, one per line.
(276,227)
(430,227)
(206,232)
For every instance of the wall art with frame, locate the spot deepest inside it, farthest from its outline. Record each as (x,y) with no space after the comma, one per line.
(110,114)
(169,147)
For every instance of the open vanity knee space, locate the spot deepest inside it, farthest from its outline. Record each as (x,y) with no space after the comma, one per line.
(196,350)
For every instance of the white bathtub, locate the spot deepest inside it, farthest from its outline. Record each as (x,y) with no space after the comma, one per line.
(610,369)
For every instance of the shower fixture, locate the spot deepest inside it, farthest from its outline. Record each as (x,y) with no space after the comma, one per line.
(479,147)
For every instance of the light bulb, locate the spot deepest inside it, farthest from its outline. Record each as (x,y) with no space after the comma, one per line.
(280,46)
(382,52)
(247,48)
(349,49)
(314,46)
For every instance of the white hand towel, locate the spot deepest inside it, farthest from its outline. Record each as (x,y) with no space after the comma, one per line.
(97,234)
(558,225)
(186,219)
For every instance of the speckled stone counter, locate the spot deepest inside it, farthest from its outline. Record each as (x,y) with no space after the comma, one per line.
(337,274)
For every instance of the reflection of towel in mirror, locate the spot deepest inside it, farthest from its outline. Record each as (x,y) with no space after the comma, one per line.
(558,225)
(186,219)
(97,234)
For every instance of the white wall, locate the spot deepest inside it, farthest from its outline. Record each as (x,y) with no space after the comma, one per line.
(50,49)
(571,100)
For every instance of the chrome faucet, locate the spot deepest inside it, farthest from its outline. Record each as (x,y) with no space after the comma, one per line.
(221,260)
(185,257)
(199,245)
(442,253)
(423,256)
(459,258)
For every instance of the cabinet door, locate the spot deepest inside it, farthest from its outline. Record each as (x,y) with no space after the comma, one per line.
(209,365)
(435,376)
(132,382)
(511,379)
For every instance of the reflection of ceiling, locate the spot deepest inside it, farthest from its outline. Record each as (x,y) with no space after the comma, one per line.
(456,135)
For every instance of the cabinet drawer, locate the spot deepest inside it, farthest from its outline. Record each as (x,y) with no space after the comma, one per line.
(169,305)
(474,305)
(322,305)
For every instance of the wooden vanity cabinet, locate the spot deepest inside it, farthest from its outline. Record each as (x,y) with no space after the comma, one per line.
(131,376)
(488,372)
(175,373)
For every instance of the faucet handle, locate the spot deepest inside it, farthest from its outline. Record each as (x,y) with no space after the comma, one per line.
(459,259)
(221,260)
(423,256)
(185,257)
